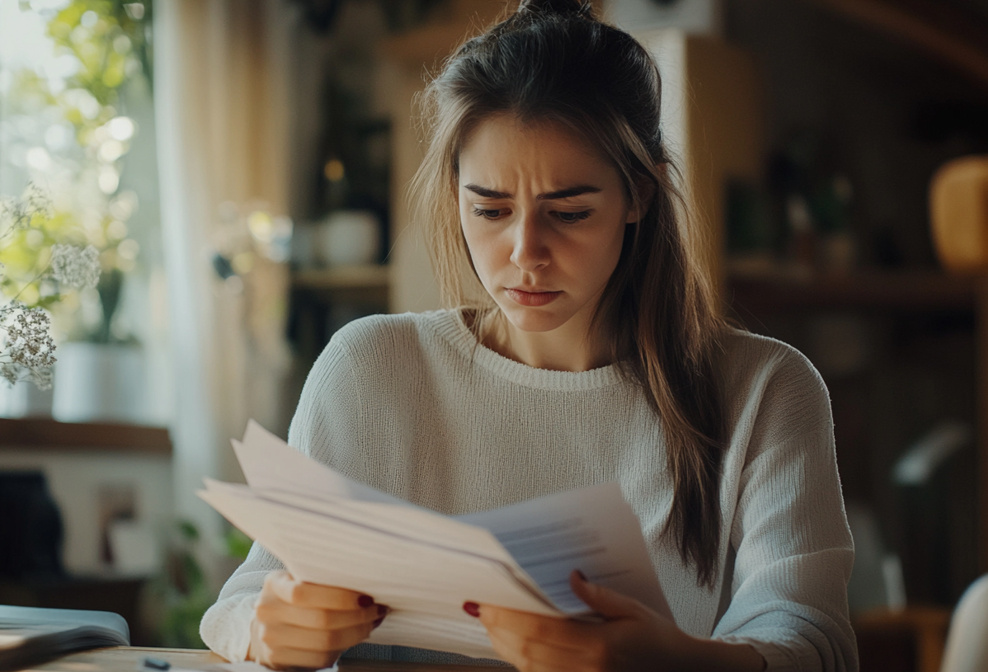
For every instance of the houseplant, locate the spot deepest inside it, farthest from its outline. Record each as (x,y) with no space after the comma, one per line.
(74,117)
(36,268)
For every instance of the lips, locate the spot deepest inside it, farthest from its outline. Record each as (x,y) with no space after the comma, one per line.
(528,297)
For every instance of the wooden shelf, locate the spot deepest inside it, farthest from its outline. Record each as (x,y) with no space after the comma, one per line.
(50,434)
(371,276)
(872,290)
(368,285)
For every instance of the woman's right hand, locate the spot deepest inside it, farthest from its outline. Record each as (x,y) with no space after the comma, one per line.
(299,624)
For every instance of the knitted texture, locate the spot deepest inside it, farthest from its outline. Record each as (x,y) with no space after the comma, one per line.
(413,405)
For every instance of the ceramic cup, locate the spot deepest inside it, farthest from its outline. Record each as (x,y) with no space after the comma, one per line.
(350,237)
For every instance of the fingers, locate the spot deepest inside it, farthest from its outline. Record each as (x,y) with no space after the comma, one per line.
(542,643)
(276,610)
(610,604)
(557,632)
(294,658)
(284,636)
(299,624)
(302,594)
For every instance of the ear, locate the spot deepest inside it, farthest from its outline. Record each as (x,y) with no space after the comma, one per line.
(645,191)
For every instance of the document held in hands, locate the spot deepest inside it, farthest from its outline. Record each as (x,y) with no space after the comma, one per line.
(328,529)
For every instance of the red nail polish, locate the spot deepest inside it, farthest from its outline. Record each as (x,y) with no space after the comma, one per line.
(377,622)
(472,608)
(365,600)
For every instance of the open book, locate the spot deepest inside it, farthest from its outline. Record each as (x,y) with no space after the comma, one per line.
(31,636)
(330,530)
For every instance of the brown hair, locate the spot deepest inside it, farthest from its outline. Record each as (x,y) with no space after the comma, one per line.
(552,60)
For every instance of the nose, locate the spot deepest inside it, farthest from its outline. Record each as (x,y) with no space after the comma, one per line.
(530,251)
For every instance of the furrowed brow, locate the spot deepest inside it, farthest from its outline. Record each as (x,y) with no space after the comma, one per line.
(485,192)
(569,193)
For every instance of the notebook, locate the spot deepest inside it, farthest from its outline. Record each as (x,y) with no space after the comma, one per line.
(31,635)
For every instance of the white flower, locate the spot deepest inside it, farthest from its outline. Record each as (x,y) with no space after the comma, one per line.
(29,341)
(75,266)
(10,372)
(41,376)
(17,213)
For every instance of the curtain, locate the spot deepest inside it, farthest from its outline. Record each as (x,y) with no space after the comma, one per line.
(221,105)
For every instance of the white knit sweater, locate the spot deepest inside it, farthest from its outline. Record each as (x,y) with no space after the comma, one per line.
(411,404)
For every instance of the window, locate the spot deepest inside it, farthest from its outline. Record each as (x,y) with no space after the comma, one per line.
(76,120)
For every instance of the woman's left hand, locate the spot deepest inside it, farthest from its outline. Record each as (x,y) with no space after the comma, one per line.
(633,637)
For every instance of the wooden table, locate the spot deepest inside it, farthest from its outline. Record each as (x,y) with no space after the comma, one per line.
(130,659)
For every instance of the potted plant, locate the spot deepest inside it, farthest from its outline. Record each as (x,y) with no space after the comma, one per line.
(104,47)
(36,269)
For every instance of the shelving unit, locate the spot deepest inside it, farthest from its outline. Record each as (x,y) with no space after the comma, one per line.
(46,433)
(322,298)
(371,281)
(873,290)
(921,313)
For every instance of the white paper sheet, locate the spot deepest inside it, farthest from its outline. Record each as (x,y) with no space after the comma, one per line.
(330,530)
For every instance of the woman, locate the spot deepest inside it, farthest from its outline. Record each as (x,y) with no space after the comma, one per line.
(593,355)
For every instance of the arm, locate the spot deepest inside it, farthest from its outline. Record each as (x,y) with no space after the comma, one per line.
(265,615)
(788,529)
(258,601)
(784,519)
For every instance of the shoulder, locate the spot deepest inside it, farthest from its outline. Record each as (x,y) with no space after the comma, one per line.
(384,346)
(377,335)
(368,364)
(746,356)
(761,374)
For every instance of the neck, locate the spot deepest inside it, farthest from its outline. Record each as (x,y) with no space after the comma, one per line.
(569,348)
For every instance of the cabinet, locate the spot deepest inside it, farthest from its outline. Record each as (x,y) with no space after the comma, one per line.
(901,353)
(79,461)
(323,299)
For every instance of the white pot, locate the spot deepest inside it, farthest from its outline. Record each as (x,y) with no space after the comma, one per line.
(24,400)
(350,237)
(99,382)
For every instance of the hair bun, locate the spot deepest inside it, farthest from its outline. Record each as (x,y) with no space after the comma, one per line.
(560,7)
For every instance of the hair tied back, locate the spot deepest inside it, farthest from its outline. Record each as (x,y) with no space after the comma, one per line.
(558,7)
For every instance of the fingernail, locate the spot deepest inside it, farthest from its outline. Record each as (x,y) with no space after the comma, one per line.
(381,610)
(378,622)
(583,577)
(365,600)
(472,608)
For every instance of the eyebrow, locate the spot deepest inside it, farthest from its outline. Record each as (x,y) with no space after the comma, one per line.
(569,192)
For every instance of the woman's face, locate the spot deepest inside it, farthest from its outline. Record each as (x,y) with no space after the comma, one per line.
(543,215)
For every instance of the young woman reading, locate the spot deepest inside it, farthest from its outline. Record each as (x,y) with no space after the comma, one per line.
(595,355)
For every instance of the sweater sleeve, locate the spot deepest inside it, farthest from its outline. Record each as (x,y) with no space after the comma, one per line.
(792,546)
(324,404)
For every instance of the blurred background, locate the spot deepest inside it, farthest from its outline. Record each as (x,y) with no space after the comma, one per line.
(240,166)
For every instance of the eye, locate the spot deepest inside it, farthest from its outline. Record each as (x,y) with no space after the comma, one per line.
(488,213)
(571,217)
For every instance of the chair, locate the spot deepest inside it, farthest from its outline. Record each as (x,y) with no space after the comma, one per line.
(967,639)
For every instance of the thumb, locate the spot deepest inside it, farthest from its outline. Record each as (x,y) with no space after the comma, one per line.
(610,604)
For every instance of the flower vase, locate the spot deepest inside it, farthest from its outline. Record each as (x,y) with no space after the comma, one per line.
(25,400)
(100,382)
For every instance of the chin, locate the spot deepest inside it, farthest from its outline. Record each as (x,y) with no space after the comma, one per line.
(532,320)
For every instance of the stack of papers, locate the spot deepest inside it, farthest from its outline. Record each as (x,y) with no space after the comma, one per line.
(330,530)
